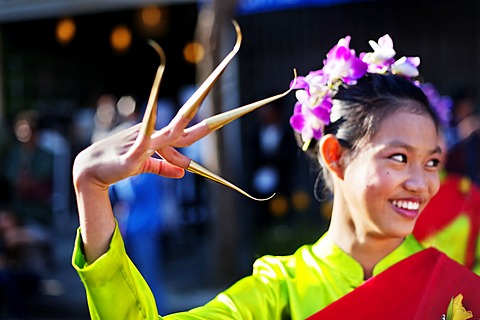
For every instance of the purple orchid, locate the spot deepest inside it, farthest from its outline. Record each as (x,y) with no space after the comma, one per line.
(406,67)
(441,104)
(311,113)
(305,82)
(382,57)
(343,64)
(310,110)
(305,122)
(312,83)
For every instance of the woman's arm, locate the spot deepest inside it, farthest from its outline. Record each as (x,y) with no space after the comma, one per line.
(110,160)
(130,153)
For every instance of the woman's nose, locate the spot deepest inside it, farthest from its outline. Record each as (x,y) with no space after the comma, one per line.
(417,181)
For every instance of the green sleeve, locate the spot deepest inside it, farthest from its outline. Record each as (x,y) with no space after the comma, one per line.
(259,296)
(115,288)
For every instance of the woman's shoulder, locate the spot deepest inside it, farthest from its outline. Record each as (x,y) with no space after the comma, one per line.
(286,262)
(308,258)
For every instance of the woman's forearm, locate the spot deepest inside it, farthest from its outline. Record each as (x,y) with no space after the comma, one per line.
(96,218)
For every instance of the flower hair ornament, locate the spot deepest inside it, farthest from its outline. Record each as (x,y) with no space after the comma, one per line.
(342,67)
(441,104)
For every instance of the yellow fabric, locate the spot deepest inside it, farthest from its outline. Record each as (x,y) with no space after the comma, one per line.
(476,266)
(453,239)
(294,286)
(115,288)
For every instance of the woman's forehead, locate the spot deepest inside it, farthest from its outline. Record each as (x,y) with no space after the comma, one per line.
(407,127)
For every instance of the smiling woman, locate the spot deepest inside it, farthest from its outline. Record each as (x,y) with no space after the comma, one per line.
(392,179)
(375,136)
(381,175)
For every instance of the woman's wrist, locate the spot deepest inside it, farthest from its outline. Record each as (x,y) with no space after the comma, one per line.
(82,178)
(86,183)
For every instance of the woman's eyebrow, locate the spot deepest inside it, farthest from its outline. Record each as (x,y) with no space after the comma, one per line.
(401,144)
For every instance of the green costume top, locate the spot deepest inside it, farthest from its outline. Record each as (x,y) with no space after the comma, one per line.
(280,287)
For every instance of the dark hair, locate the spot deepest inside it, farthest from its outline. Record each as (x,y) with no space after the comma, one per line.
(362,107)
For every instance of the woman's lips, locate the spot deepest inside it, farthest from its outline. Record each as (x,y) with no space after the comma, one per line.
(407,208)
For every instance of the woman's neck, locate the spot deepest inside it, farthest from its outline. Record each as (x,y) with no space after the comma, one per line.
(365,247)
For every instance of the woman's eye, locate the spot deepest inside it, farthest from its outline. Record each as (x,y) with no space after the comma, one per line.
(433,163)
(399,157)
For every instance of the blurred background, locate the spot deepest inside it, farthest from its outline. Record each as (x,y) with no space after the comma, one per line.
(72,72)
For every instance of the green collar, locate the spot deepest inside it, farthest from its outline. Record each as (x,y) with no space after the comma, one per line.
(331,254)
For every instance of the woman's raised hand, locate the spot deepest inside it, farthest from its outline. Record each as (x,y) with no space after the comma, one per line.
(130,151)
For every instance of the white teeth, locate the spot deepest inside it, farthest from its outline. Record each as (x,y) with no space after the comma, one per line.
(409,205)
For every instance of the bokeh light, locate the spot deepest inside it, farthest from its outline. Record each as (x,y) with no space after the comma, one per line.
(126,106)
(278,206)
(151,16)
(120,38)
(152,21)
(300,200)
(193,52)
(65,30)
(23,131)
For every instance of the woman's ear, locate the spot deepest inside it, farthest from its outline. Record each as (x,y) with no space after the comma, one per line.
(331,152)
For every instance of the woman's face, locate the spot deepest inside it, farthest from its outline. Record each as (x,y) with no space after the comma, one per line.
(393,176)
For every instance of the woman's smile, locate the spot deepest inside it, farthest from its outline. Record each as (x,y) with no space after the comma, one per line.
(407,208)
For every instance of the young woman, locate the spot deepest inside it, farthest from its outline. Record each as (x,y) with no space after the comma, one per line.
(375,136)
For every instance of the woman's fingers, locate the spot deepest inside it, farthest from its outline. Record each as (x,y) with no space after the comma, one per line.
(150,116)
(163,168)
(174,157)
(175,130)
(216,122)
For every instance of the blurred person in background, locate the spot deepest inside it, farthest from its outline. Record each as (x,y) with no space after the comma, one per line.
(22,265)
(464,134)
(464,157)
(28,169)
(464,119)
(273,147)
(191,192)
(6,140)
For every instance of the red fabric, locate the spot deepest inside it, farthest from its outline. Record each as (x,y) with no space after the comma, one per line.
(446,206)
(417,288)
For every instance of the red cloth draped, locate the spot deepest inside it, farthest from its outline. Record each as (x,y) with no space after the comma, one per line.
(446,206)
(417,288)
